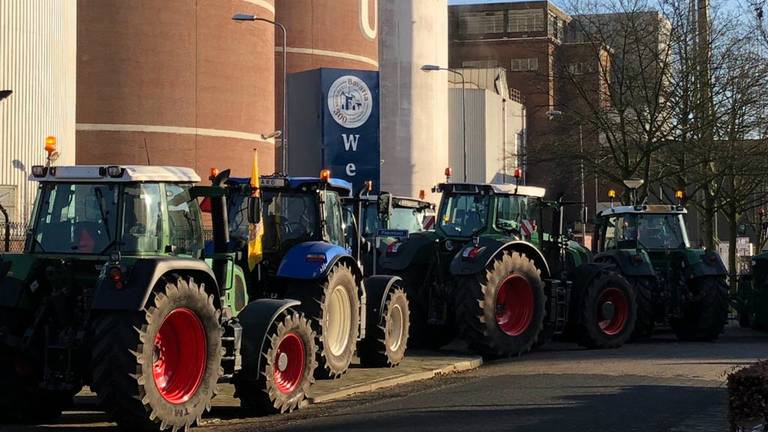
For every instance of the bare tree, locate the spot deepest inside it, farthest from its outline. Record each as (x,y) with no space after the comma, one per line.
(680,100)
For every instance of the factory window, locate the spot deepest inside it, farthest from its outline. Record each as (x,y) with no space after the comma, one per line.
(524,64)
(521,21)
(580,68)
(481,22)
(480,64)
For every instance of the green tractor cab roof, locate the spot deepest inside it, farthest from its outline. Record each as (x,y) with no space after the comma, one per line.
(644,209)
(113,174)
(498,189)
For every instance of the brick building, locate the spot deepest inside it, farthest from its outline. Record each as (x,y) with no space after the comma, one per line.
(529,39)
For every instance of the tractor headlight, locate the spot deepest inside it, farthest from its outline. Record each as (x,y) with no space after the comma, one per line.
(38,171)
(114,171)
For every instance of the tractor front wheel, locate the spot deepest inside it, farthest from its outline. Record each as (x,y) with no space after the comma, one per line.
(704,317)
(608,312)
(158,368)
(385,343)
(501,312)
(287,367)
(334,308)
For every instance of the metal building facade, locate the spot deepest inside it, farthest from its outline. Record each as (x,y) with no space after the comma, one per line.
(38,63)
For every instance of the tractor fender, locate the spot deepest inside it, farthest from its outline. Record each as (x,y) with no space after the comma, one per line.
(630,262)
(581,277)
(296,265)
(142,278)
(704,263)
(409,251)
(256,319)
(377,289)
(461,265)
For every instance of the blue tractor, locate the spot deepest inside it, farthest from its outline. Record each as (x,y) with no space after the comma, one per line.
(307,252)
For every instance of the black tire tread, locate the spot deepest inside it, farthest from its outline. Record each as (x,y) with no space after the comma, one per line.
(118,360)
(374,350)
(476,325)
(704,318)
(262,397)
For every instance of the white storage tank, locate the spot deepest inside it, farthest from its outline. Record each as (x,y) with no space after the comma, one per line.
(38,44)
(414,103)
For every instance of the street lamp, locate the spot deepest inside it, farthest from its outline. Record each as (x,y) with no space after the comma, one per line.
(5,93)
(432,68)
(284,129)
(552,115)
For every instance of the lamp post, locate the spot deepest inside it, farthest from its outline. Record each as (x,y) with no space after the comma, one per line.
(431,68)
(284,129)
(583,211)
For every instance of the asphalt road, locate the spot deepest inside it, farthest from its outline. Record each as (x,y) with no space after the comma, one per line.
(659,385)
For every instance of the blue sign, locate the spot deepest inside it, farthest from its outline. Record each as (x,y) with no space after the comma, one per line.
(350,123)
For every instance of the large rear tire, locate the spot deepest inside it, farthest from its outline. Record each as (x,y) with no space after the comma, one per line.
(608,311)
(287,370)
(158,369)
(334,308)
(646,307)
(385,343)
(704,318)
(501,311)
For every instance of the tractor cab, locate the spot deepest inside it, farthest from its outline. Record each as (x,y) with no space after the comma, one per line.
(99,211)
(654,228)
(405,214)
(467,210)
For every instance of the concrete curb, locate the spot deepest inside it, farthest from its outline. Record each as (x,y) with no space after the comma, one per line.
(343,392)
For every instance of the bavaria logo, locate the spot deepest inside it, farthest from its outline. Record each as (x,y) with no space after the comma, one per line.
(350,101)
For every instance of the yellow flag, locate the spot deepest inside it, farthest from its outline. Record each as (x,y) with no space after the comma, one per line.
(255,231)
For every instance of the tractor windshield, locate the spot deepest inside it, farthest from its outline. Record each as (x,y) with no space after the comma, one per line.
(462,215)
(650,231)
(402,218)
(289,218)
(75,218)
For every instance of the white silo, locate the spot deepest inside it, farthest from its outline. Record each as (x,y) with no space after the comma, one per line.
(414,103)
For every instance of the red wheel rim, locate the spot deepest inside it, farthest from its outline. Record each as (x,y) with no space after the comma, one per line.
(289,363)
(612,323)
(179,356)
(514,305)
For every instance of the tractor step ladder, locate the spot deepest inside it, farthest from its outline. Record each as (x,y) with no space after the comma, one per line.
(231,361)
(559,293)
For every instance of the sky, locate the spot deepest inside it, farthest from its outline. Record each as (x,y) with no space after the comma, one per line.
(729,3)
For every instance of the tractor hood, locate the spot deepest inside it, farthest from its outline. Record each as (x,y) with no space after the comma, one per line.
(309,260)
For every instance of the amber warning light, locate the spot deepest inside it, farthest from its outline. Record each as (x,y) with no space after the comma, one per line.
(50,144)
(325,174)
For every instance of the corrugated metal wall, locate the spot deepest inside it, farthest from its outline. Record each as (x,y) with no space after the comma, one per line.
(493,126)
(38,63)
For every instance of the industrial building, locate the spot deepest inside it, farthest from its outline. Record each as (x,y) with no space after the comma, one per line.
(491,119)
(37,63)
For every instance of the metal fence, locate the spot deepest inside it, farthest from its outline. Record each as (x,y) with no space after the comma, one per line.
(17,235)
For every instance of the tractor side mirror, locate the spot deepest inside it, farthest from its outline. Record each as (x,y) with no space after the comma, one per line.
(254,210)
(385,205)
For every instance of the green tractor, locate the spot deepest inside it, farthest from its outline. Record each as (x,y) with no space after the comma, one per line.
(491,274)
(676,285)
(113,291)
(751,299)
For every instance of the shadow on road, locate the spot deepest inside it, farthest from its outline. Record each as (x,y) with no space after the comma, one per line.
(604,408)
